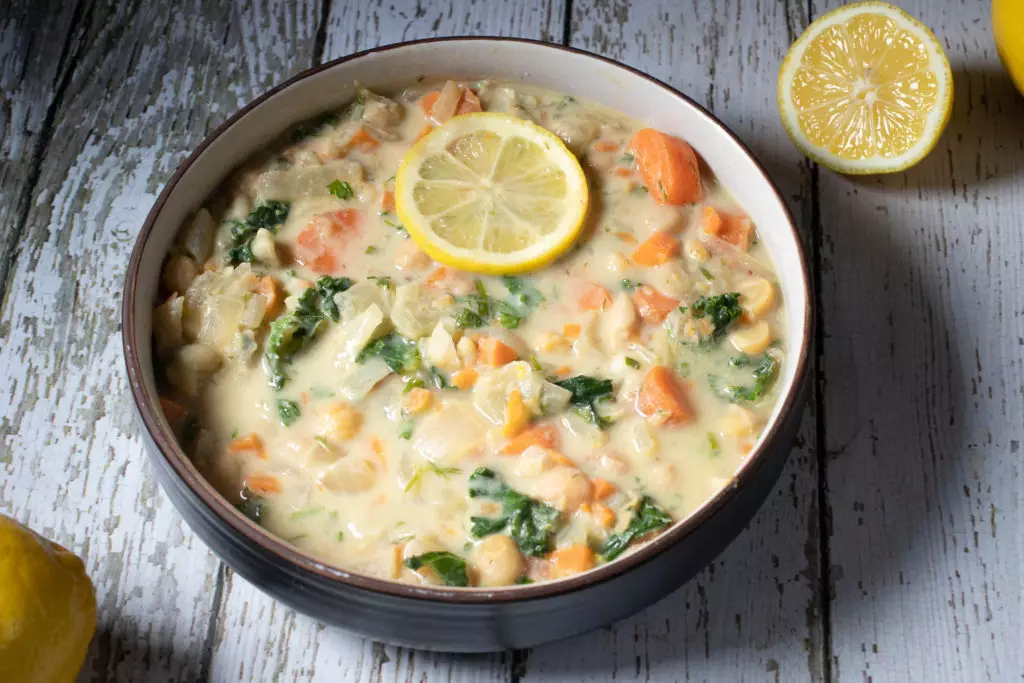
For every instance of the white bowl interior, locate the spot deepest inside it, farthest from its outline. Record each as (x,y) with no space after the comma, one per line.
(573,73)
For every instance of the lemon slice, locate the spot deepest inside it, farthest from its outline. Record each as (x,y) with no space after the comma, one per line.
(491,193)
(866,89)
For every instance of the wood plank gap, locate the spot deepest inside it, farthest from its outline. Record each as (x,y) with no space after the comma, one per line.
(567,23)
(320,42)
(205,663)
(73,48)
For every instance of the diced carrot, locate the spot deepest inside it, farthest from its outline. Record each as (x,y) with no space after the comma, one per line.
(387,201)
(174,412)
(603,515)
(427,101)
(731,228)
(516,416)
(314,242)
(602,488)
(657,249)
(270,289)
(263,484)
(625,237)
(572,560)
(436,277)
(572,330)
(495,352)
(417,400)
(652,305)
(538,435)
(662,394)
(376,445)
(246,443)
(594,298)
(622,172)
(362,140)
(464,378)
(668,166)
(562,371)
(605,146)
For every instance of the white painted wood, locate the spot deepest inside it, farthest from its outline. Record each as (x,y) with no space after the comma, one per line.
(922,276)
(251,624)
(146,84)
(754,614)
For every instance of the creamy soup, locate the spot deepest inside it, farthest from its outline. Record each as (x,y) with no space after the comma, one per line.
(404,419)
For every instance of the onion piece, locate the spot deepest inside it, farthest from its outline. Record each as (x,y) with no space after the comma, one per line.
(447,102)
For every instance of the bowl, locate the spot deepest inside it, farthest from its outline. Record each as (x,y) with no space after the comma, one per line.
(468,620)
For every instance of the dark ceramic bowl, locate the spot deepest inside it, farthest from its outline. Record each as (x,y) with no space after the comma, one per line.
(468,620)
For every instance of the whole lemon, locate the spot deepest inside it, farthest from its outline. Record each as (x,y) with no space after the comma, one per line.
(47,608)
(1008,29)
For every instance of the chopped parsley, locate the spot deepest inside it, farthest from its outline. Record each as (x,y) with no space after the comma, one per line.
(630,285)
(443,472)
(633,363)
(721,309)
(288,411)
(765,369)
(341,189)
(401,355)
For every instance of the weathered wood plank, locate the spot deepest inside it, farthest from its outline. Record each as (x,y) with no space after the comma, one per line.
(754,614)
(300,648)
(37,43)
(150,79)
(924,336)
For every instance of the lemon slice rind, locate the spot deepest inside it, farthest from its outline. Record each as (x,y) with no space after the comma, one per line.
(437,196)
(935,119)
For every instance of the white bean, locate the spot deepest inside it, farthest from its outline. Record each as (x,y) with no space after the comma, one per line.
(497,561)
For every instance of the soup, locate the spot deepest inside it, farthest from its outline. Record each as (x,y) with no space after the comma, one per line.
(402,418)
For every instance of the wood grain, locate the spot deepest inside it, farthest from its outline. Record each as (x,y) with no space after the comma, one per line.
(149,80)
(924,335)
(303,650)
(755,613)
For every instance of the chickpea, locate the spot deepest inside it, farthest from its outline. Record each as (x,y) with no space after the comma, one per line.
(341,421)
(757,296)
(497,561)
(179,273)
(617,263)
(565,488)
(738,421)
(753,339)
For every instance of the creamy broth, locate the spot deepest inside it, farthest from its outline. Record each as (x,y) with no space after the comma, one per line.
(531,427)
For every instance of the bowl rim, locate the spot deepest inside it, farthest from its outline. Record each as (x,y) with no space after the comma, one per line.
(225,513)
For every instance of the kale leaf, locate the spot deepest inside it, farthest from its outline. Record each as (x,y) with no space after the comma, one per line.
(449,567)
(764,373)
(288,411)
(530,523)
(268,215)
(327,287)
(481,308)
(341,189)
(587,392)
(401,355)
(722,309)
(252,506)
(647,517)
(291,333)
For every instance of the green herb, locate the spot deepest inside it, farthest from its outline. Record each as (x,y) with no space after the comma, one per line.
(382,280)
(524,580)
(722,309)
(639,189)
(341,189)
(288,411)
(371,250)
(341,536)
(412,383)
(322,441)
(269,215)
(707,274)
(626,158)
(443,472)
(307,512)
(522,294)
(437,378)
(647,517)
(252,506)
(630,285)
(397,226)
(401,355)
(234,434)
(683,368)
(295,330)
(565,102)
(683,309)
(308,129)
(587,392)
(406,433)
(530,523)
(713,443)
(449,567)
(481,308)
(478,308)
(764,372)
(535,364)
(664,194)
(633,363)
(320,392)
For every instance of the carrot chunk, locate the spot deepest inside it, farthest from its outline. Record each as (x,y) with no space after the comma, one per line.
(495,352)
(602,488)
(657,249)
(246,443)
(572,560)
(603,515)
(417,400)
(668,166)
(362,140)
(427,101)
(263,484)
(435,278)
(538,435)
(662,395)
(468,102)
(571,330)
(652,305)
(516,416)
(605,146)
(594,298)
(734,229)
(270,289)
(173,411)
(465,378)
(387,201)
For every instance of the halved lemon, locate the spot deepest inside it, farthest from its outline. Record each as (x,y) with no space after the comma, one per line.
(491,193)
(866,89)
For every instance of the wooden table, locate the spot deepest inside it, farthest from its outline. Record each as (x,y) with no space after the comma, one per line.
(892,549)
